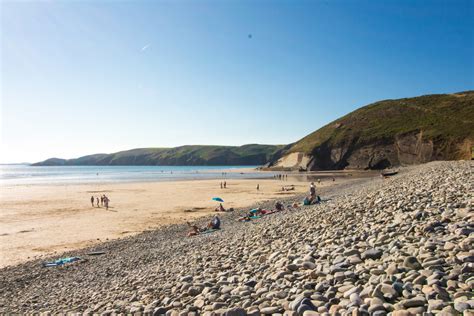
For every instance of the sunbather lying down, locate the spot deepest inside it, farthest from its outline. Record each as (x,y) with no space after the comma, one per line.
(288,188)
(255,213)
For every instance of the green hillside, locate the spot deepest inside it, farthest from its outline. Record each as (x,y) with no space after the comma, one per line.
(393,130)
(252,154)
(380,135)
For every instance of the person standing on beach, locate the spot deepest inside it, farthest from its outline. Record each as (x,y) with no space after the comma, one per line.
(102,200)
(97,202)
(92,201)
(225,185)
(258,187)
(221,185)
(106,202)
(312,190)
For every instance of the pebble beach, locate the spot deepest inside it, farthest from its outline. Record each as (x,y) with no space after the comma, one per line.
(397,246)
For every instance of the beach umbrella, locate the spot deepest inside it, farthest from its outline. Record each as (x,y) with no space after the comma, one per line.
(218,199)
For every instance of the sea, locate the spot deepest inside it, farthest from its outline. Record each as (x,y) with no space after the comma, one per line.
(23,174)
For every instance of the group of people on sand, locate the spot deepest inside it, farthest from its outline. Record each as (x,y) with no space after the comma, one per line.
(224,185)
(103,200)
(214,224)
(259,212)
(281,176)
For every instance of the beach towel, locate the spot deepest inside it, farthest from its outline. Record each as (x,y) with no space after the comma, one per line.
(61,261)
(208,231)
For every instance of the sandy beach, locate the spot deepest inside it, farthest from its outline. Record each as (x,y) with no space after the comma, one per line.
(382,234)
(38,220)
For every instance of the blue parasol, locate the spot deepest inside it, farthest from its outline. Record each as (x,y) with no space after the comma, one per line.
(218,199)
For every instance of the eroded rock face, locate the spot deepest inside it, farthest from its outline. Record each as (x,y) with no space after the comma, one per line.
(412,149)
(408,149)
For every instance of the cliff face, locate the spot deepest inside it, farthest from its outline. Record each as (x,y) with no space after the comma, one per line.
(389,133)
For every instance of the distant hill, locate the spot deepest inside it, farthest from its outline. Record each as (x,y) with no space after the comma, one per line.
(252,154)
(380,135)
(389,133)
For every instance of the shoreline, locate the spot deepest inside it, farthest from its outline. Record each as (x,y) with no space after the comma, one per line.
(373,228)
(46,223)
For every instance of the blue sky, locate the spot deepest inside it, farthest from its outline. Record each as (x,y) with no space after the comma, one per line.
(82,77)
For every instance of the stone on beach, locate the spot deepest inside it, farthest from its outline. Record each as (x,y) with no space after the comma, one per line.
(401,246)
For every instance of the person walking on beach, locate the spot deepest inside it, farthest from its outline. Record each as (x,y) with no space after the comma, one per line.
(97,199)
(221,185)
(102,200)
(92,201)
(225,185)
(106,202)
(258,187)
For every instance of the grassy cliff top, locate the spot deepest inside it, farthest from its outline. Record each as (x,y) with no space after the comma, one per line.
(437,115)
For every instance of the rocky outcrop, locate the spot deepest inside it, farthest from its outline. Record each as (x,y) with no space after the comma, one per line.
(293,161)
(408,149)
(388,134)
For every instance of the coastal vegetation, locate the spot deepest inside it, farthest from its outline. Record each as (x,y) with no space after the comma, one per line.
(380,135)
(391,133)
(252,154)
